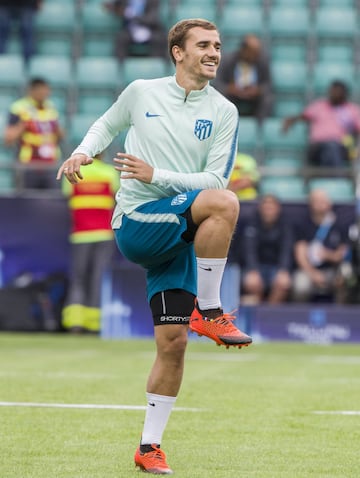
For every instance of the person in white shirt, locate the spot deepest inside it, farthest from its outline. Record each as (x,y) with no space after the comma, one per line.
(174,215)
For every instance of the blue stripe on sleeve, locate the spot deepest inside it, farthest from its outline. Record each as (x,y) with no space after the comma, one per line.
(230,162)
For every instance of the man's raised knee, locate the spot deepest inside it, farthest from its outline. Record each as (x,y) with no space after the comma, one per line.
(212,202)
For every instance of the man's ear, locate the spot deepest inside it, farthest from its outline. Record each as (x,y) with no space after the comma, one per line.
(177,53)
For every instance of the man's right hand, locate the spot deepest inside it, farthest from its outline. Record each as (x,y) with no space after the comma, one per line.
(71,167)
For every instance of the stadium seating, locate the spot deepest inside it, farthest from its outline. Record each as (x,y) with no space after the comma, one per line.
(97,22)
(244,3)
(13,75)
(290,24)
(335,3)
(14,44)
(338,189)
(336,53)
(278,144)
(310,43)
(195,10)
(286,188)
(94,104)
(235,21)
(289,77)
(288,52)
(55,46)
(101,46)
(334,24)
(204,4)
(61,102)
(5,101)
(7,180)
(248,135)
(282,166)
(285,106)
(326,71)
(6,160)
(98,73)
(290,86)
(57,70)
(56,18)
(3,120)
(294,3)
(97,30)
(55,27)
(143,68)
(79,124)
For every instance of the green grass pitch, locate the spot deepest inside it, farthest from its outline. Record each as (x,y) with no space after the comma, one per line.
(256,416)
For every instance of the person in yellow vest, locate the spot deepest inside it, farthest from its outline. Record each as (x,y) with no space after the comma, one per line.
(245,177)
(34,128)
(91,202)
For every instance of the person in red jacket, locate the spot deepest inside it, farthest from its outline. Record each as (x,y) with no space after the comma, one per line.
(91,204)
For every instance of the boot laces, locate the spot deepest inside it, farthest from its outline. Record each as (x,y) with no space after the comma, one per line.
(225,320)
(157,453)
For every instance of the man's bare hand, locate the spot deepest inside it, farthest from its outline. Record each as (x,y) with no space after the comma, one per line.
(132,167)
(71,167)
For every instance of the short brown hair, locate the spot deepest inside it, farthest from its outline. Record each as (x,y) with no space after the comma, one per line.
(178,33)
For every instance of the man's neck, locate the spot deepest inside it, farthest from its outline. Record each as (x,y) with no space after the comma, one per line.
(188,84)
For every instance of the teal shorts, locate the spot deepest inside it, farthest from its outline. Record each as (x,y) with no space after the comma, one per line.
(159,236)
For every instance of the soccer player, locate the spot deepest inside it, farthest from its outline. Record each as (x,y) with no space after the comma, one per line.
(173,214)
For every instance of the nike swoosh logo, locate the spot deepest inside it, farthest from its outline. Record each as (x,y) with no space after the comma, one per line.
(206,268)
(152,404)
(150,115)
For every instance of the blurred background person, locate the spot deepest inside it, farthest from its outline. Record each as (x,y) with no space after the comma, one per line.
(33,127)
(268,253)
(21,14)
(245,177)
(91,203)
(350,268)
(141,25)
(321,245)
(243,182)
(244,78)
(334,124)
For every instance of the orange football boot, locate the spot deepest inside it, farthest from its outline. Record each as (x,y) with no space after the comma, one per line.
(153,461)
(220,329)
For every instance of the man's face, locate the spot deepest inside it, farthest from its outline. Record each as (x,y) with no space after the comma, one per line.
(201,55)
(269,210)
(249,53)
(337,95)
(40,93)
(319,202)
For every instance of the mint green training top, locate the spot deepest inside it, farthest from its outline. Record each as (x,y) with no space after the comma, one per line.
(191,141)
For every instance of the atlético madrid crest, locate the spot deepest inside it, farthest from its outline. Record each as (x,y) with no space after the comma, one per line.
(203,129)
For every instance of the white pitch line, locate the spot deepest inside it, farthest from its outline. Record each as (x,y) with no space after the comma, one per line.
(336,412)
(90,406)
(333,359)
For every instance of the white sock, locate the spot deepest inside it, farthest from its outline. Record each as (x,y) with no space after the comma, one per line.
(157,414)
(209,272)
